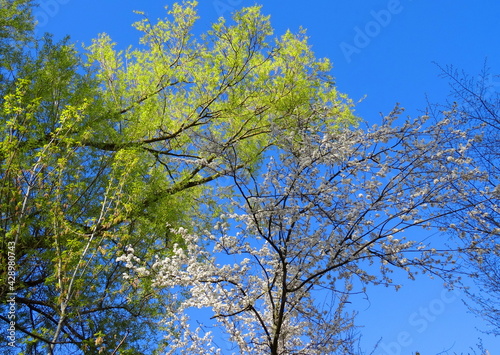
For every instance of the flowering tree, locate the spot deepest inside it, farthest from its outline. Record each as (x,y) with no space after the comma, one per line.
(98,152)
(477,113)
(330,212)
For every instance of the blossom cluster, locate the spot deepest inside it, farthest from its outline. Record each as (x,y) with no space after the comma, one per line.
(275,273)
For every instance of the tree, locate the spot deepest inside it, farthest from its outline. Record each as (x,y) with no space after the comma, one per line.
(329,214)
(101,153)
(476,105)
(50,186)
(16,28)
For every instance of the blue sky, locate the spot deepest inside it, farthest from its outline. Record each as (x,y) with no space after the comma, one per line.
(381,49)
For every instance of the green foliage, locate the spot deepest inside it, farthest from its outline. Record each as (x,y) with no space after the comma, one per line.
(16,26)
(107,154)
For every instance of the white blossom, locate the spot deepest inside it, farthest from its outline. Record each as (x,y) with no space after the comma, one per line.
(310,220)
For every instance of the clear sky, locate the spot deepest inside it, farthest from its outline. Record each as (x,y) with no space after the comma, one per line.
(381,49)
